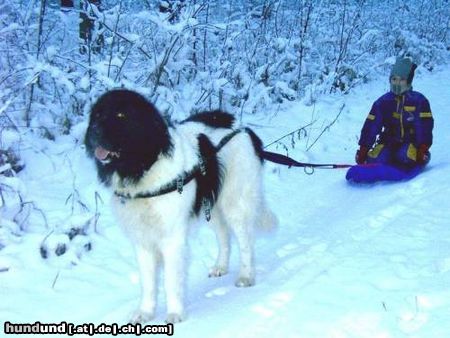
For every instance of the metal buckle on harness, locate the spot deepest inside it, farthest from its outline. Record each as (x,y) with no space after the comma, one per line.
(180,184)
(123,198)
(309,170)
(207,207)
(202,166)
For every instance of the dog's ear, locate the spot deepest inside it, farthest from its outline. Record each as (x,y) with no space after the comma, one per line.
(89,147)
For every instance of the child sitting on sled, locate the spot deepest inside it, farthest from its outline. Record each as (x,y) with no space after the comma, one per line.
(400,123)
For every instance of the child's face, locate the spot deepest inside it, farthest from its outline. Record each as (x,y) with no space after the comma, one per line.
(397,80)
(399,85)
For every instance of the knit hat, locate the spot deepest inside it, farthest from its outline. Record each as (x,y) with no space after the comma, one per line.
(404,68)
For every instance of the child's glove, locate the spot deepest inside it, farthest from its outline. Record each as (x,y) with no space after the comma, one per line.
(361,155)
(423,156)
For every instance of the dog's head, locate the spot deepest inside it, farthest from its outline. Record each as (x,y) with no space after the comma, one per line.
(126,134)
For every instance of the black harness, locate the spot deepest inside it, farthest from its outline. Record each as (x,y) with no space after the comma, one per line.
(183,179)
(186,177)
(175,185)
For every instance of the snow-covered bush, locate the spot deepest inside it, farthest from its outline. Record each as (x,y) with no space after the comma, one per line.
(202,55)
(188,56)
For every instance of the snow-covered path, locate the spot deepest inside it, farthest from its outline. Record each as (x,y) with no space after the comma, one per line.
(345,261)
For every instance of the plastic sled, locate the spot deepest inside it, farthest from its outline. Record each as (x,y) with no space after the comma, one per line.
(376,172)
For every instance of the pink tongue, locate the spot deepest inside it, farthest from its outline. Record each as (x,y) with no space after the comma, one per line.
(101,153)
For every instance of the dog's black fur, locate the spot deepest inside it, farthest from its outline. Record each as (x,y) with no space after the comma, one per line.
(140,134)
(214,119)
(210,181)
(257,144)
(124,122)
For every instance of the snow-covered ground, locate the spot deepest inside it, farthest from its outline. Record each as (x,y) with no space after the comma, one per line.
(345,261)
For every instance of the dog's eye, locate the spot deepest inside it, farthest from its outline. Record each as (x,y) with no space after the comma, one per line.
(120,115)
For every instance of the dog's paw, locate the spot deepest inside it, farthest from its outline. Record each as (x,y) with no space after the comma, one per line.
(217,271)
(141,317)
(245,282)
(173,318)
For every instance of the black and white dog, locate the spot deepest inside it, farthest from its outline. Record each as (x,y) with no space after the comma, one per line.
(162,175)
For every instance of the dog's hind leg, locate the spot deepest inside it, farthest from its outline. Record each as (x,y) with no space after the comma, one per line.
(239,208)
(223,239)
(244,236)
(241,218)
(147,261)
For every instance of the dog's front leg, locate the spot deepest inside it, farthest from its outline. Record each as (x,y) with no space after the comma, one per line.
(173,252)
(147,261)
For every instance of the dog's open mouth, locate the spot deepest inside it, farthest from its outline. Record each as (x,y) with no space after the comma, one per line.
(104,155)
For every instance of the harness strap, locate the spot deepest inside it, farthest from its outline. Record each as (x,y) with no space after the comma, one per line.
(186,177)
(228,138)
(175,185)
(290,162)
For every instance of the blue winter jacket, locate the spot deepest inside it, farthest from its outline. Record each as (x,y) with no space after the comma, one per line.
(399,119)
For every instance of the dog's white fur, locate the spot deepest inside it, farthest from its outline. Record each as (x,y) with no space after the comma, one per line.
(158,226)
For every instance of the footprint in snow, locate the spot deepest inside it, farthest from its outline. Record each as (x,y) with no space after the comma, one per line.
(287,249)
(218,292)
(271,306)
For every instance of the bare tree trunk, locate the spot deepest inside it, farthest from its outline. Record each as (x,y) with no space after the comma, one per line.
(38,53)
(204,39)
(194,47)
(67,3)
(345,39)
(303,31)
(111,51)
(87,27)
